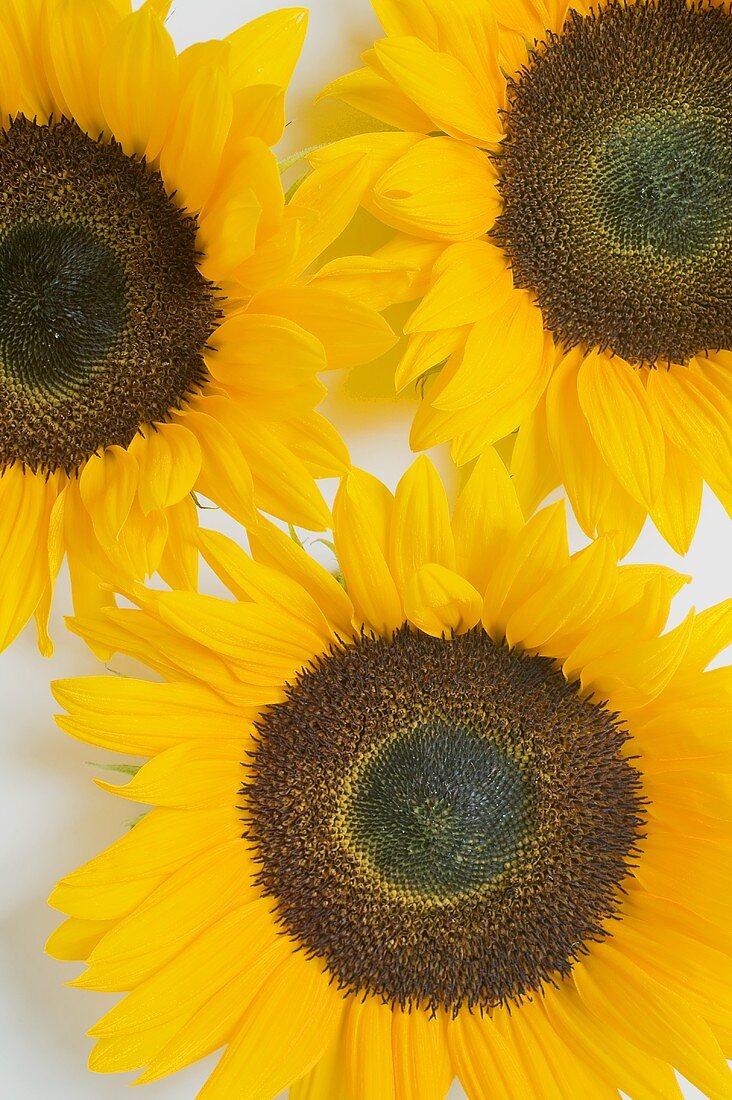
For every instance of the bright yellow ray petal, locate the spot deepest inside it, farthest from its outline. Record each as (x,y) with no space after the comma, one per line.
(623,423)
(225,477)
(26,501)
(361,517)
(533,468)
(197,775)
(440,601)
(537,552)
(121,1054)
(108,485)
(350,332)
(627,1000)
(407,17)
(169,460)
(688,407)
(677,507)
(636,1072)
(75,939)
(283,1033)
(78,31)
(568,601)
(324,1080)
(487,513)
(185,983)
(138,83)
(420,529)
(367,1050)
(422,1069)
(374,281)
(218,1020)
(444,89)
(266,50)
(190,158)
(484,1062)
(272,547)
(470,282)
(711,633)
(425,352)
(369,92)
(439,189)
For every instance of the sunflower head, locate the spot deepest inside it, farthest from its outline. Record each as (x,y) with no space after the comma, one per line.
(460,815)
(156,336)
(562,190)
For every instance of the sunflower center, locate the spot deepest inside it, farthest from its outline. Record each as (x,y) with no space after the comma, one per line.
(439,810)
(442,822)
(104,314)
(616,178)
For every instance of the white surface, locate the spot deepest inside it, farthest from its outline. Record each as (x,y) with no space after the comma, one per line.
(52,817)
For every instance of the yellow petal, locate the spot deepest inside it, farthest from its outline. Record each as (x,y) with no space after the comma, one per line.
(420,526)
(259,111)
(227,235)
(192,152)
(484,1061)
(443,88)
(407,17)
(194,775)
(282,1034)
(262,354)
(367,1050)
(627,1000)
(225,478)
(108,485)
(538,551)
(369,92)
(75,939)
(350,332)
(678,504)
(470,282)
(506,367)
(690,409)
(218,1020)
(169,459)
(265,51)
(422,1069)
(440,602)
(623,423)
(585,475)
(138,83)
(361,516)
(425,352)
(273,547)
(56,552)
(78,31)
(711,633)
(314,441)
(567,601)
(371,280)
(439,189)
(179,562)
(533,468)
(487,513)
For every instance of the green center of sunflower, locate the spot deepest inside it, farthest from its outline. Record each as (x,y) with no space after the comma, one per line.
(439,810)
(442,822)
(104,314)
(616,179)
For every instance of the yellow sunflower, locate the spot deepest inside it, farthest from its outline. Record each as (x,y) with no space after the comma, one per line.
(561,177)
(465,814)
(155,337)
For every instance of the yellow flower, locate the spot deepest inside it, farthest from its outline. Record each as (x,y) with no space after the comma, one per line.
(155,335)
(561,180)
(483,805)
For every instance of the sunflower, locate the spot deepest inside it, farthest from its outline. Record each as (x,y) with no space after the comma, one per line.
(155,337)
(460,815)
(561,180)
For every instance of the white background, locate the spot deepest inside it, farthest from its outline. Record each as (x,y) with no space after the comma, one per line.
(52,817)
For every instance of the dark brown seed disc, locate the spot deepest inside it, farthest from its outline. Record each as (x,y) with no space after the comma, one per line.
(616,178)
(104,314)
(442,822)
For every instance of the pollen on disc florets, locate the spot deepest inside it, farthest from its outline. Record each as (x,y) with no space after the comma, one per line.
(442,822)
(616,179)
(104,314)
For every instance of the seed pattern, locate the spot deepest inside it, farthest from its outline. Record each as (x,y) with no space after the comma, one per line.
(104,314)
(491,752)
(616,179)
